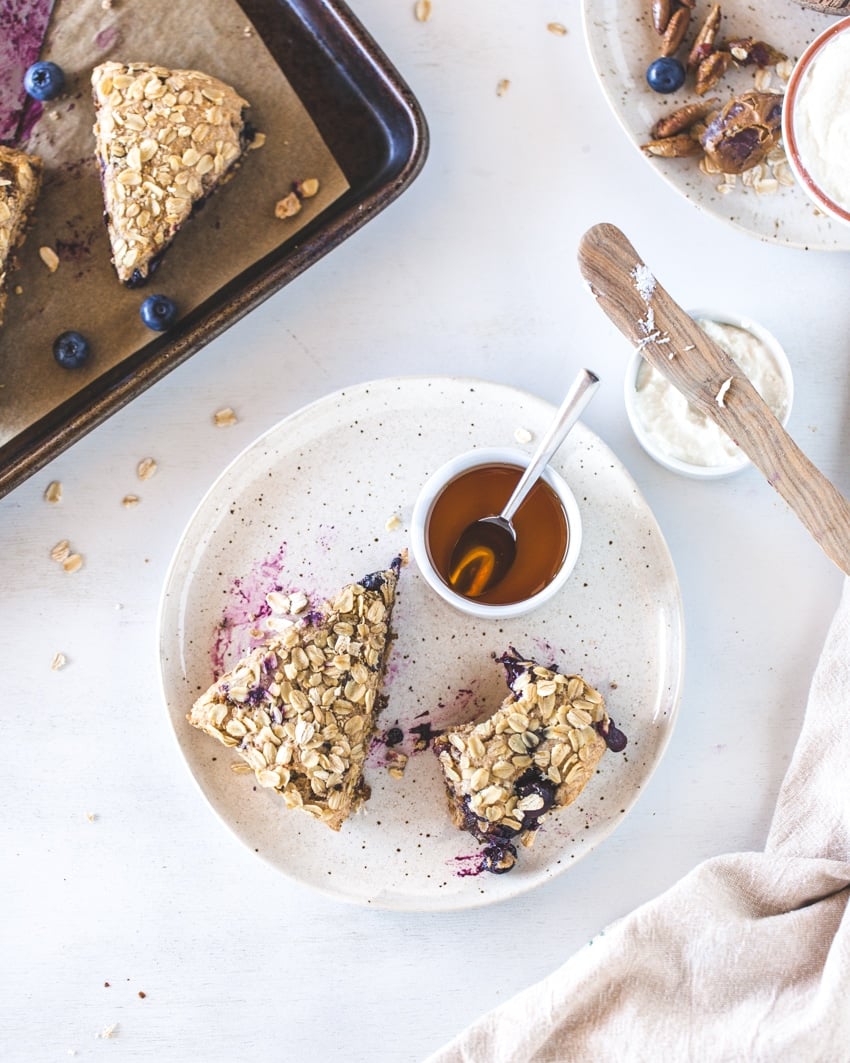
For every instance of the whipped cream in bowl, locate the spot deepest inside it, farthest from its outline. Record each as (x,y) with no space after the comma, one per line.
(816,121)
(680,437)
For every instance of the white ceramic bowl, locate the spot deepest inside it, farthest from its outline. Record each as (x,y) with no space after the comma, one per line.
(805,168)
(434,487)
(649,442)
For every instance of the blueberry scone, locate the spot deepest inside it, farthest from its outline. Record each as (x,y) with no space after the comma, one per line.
(301,709)
(536,753)
(20,181)
(165,140)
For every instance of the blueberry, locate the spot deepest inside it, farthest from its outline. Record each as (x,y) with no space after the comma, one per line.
(498,858)
(665,74)
(614,737)
(533,785)
(71,350)
(394,736)
(44,81)
(373,581)
(158,312)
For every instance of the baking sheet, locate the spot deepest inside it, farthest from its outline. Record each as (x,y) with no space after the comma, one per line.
(236,226)
(376,132)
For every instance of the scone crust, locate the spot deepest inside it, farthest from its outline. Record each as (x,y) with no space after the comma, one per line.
(164,140)
(20,183)
(546,729)
(301,710)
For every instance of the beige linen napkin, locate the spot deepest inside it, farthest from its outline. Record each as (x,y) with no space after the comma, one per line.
(747,958)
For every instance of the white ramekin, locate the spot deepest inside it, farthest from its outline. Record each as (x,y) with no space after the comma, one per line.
(648,441)
(422,513)
(802,169)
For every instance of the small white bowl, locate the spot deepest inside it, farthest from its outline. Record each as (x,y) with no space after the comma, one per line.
(423,508)
(651,444)
(805,168)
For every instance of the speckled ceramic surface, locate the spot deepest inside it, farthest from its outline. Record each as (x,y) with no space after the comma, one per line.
(309,506)
(623,42)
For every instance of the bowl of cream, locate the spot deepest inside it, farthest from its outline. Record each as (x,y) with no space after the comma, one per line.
(684,439)
(816,120)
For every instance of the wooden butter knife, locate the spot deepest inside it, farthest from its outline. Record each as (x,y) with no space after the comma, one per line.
(673,343)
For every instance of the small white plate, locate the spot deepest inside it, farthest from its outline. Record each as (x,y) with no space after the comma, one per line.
(308,506)
(622,43)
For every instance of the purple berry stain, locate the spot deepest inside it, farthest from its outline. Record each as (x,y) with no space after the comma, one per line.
(246,609)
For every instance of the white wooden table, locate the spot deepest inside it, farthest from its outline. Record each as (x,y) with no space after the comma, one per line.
(114,870)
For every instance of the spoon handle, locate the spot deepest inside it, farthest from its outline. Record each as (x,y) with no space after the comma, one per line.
(579,395)
(674,345)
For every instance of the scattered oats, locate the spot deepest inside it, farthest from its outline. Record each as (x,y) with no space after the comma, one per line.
(146,468)
(73,563)
(106,4)
(91,816)
(558,28)
(396,763)
(53,492)
(720,397)
(128,501)
(502,87)
(709,166)
(394,523)
(278,602)
(522,435)
(248,32)
(762,80)
(782,173)
(766,185)
(49,257)
(784,68)
(224,417)
(422,10)
(240,767)
(307,188)
(108,1031)
(257,142)
(19,290)
(297,603)
(59,661)
(60,551)
(287,207)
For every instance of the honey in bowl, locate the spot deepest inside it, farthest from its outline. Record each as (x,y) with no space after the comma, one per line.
(542,529)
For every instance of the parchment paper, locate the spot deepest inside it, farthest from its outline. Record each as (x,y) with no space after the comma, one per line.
(235,228)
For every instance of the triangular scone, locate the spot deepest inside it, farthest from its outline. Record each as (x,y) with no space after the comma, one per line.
(165,140)
(536,753)
(20,181)
(301,709)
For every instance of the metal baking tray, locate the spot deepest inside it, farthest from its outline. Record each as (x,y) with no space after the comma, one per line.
(377,132)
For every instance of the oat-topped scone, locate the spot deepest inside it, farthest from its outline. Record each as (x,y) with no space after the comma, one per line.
(301,709)
(534,754)
(165,140)
(20,181)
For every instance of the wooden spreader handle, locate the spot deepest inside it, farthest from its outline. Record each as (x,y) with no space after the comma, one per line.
(674,345)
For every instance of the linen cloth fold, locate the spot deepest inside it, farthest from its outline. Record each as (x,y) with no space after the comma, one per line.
(746,958)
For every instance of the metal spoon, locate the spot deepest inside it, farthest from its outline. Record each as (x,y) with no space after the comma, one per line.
(486,548)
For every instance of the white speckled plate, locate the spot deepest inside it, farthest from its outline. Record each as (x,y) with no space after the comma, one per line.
(623,42)
(306,507)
